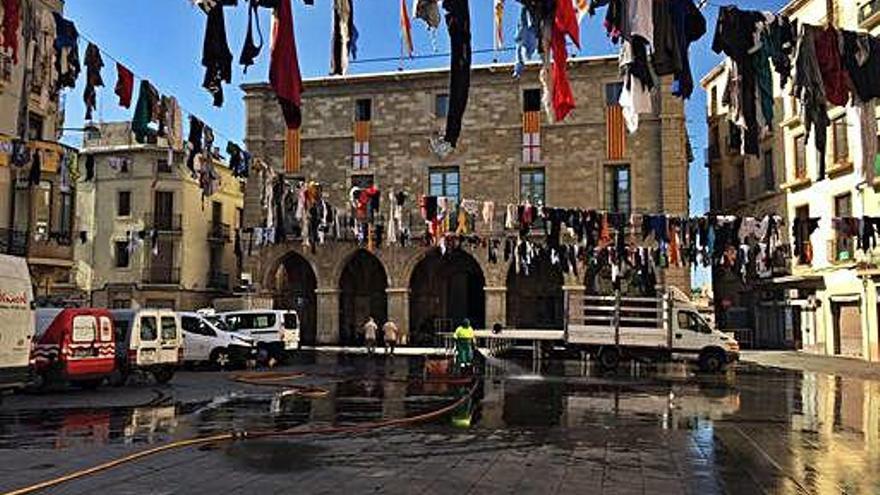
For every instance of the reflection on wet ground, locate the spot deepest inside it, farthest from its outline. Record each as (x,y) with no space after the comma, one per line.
(752,429)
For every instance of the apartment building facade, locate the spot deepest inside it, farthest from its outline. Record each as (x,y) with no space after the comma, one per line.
(37,207)
(829,300)
(375,129)
(149,238)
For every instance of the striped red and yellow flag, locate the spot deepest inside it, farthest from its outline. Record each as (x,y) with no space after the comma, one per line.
(405,30)
(616,132)
(292,151)
(531,122)
(499,24)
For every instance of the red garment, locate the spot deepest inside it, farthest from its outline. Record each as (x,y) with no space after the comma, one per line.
(834,75)
(565,23)
(124,85)
(11,23)
(284,75)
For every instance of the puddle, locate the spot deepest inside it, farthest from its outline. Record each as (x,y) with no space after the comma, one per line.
(273,456)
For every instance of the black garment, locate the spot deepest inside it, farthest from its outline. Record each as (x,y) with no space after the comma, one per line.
(801,230)
(90,168)
(36,168)
(865,77)
(780,42)
(94,63)
(216,57)
(690,26)
(66,37)
(250,50)
(144,111)
(458,22)
(337,66)
(640,67)
(868,233)
(809,89)
(196,131)
(236,159)
(734,32)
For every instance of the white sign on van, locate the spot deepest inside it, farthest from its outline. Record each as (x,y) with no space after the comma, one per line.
(85,328)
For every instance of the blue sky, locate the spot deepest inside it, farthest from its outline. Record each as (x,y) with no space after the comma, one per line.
(161,40)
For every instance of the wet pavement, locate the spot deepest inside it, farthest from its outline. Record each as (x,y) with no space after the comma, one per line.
(550,427)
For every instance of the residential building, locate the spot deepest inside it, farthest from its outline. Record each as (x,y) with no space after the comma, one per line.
(376,129)
(37,214)
(829,301)
(149,237)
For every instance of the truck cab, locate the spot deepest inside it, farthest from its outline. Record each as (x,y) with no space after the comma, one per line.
(694,338)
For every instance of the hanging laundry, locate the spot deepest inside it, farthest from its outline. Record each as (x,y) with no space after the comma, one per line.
(36,168)
(637,94)
(238,160)
(250,50)
(614,16)
(284,74)
(527,35)
(94,63)
(344,37)
(810,90)
(498,19)
(216,57)
(66,52)
(148,100)
(565,24)
(9,31)
(677,24)
(458,23)
(196,133)
(428,11)
(834,76)
(90,168)
(124,85)
(405,31)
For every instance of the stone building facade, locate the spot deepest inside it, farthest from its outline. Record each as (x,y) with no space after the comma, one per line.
(137,189)
(337,284)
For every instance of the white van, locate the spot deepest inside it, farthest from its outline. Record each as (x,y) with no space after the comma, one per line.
(148,340)
(17,317)
(276,331)
(208,341)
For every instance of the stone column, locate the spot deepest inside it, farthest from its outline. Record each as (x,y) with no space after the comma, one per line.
(574,301)
(496,306)
(328,316)
(398,310)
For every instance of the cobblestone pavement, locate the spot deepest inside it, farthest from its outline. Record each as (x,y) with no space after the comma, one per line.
(559,427)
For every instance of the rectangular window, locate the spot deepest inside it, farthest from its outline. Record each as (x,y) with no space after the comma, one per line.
(35,127)
(841,141)
(444,182)
(713,101)
(800,157)
(617,189)
(121,251)
(163,167)
(714,143)
(716,194)
(149,328)
(532,100)
(65,217)
(169,328)
(42,211)
(531,186)
(123,204)
(612,93)
(769,175)
(844,242)
(363,110)
(441,105)
(802,213)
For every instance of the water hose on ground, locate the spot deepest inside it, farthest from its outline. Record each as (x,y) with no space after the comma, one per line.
(245,435)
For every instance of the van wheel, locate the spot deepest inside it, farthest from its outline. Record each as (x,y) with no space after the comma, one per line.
(712,361)
(609,358)
(163,375)
(220,358)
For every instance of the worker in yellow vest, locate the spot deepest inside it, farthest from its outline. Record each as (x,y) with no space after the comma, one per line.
(464,344)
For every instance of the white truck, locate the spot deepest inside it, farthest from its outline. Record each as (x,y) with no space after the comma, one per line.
(664,328)
(17,317)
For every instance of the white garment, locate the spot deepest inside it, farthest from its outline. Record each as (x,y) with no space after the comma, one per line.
(488,215)
(865,113)
(510,218)
(635,99)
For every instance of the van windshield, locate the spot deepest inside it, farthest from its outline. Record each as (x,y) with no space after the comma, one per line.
(218,323)
(149,328)
(291,322)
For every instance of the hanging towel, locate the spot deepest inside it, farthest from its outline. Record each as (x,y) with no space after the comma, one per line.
(284,74)
(94,63)
(124,85)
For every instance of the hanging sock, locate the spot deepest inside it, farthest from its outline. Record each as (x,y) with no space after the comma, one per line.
(284,74)
(124,85)
(94,63)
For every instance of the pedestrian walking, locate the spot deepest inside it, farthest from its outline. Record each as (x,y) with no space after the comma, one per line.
(389,329)
(464,345)
(370,329)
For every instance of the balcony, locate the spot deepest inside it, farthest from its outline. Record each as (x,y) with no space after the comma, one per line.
(57,246)
(218,280)
(841,251)
(869,14)
(164,223)
(162,275)
(219,233)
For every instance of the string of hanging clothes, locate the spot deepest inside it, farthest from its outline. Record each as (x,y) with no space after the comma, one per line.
(828,67)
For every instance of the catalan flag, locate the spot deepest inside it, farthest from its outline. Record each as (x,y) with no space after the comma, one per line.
(499,24)
(292,151)
(615,130)
(360,155)
(405,30)
(531,145)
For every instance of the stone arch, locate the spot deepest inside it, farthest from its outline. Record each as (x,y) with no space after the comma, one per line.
(444,290)
(293,287)
(363,282)
(536,300)
(276,256)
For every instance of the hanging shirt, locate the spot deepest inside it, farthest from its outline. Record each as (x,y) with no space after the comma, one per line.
(565,24)
(834,75)
(148,99)
(284,74)
(526,39)
(216,57)
(66,51)
(94,63)
(124,85)
(344,37)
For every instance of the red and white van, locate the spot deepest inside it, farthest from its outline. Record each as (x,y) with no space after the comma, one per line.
(75,345)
